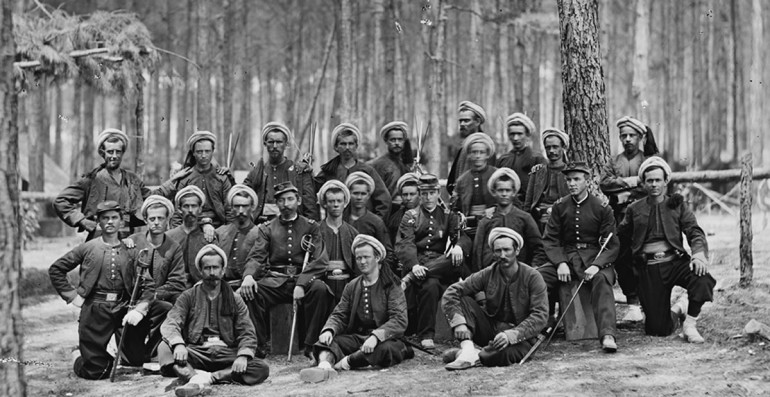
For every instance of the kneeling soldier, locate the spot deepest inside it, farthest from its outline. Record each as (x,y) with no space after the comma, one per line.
(208,335)
(655,225)
(516,308)
(366,325)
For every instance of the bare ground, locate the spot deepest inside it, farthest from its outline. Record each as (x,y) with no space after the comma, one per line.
(725,365)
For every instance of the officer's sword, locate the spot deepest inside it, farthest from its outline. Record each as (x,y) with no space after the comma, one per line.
(140,266)
(307,245)
(577,291)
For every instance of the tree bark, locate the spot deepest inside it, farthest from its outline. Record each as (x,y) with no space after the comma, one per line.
(89,151)
(343,112)
(76,153)
(12,380)
(756,126)
(38,135)
(57,143)
(640,67)
(436,103)
(747,259)
(139,120)
(740,142)
(244,119)
(475,62)
(204,120)
(388,37)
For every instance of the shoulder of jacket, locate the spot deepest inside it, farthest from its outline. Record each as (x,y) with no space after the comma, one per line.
(536,168)
(674,201)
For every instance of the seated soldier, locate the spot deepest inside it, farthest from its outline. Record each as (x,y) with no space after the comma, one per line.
(238,237)
(208,336)
(406,187)
(108,271)
(430,257)
(191,233)
(337,236)
(654,226)
(573,245)
(277,264)
(514,313)
(471,195)
(361,187)
(366,325)
(503,184)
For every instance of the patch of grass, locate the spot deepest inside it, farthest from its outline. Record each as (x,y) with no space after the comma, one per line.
(35,286)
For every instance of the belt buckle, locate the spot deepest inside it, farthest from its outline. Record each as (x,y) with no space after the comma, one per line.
(291,271)
(659,255)
(581,246)
(111,297)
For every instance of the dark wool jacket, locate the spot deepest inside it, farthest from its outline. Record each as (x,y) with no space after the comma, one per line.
(380,200)
(521,163)
(538,180)
(521,222)
(226,235)
(298,175)
(167,266)
(463,193)
(389,311)
(389,168)
(346,234)
(185,321)
(421,231)
(214,186)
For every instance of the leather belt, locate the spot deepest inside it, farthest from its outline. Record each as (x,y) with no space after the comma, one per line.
(289,270)
(108,296)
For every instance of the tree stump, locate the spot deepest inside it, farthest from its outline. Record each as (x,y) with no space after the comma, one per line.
(747,260)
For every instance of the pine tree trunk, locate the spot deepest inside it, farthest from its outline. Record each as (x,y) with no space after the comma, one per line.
(756,127)
(204,120)
(76,152)
(475,63)
(139,125)
(38,113)
(436,103)
(345,78)
(740,141)
(640,66)
(244,121)
(59,111)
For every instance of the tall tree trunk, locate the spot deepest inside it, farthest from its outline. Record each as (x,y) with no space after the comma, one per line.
(436,103)
(140,133)
(740,141)
(699,90)
(76,153)
(388,34)
(400,95)
(343,112)
(585,109)
(89,151)
(57,144)
(12,381)
(756,128)
(38,113)
(476,63)
(640,67)
(204,120)
(244,121)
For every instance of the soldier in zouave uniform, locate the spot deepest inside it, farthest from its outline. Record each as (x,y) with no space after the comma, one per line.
(521,158)
(361,187)
(191,234)
(432,250)
(274,271)
(470,118)
(397,160)
(578,224)
(237,238)
(337,236)
(471,195)
(410,198)
(547,182)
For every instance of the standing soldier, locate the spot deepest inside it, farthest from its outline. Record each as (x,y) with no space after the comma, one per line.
(276,271)
(337,236)
(361,187)
(410,198)
(573,245)
(276,137)
(345,140)
(471,195)
(431,249)
(107,277)
(199,171)
(76,204)
(620,183)
(654,226)
(190,235)
(470,119)
(237,238)
(398,160)
(547,183)
(521,158)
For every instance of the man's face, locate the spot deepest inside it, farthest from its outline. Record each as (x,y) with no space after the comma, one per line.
(112,154)
(366,260)
(335,204)
(504,248)
(157,220)
(410,198)
(275,142)
(504,193)
(577,183)
(110,222)
(346,147)
(203,151)
(655,182)
(191,208)
(429,198)
(212,268)
(288,203)
(242,209)
(517,135)
(554,149)
(395,141)
(468,122)
(478,155)
(359,195)
(630,139)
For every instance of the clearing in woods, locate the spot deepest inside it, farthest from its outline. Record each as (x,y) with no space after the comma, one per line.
(724,365)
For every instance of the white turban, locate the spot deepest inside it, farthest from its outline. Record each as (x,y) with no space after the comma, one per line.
(112,133)
(365,239)
(521,118)
(406,178)
(507,172)
(552,131)
(200,136)
(654,162)
(156,199)
(345,127)
(207,249)
(478,110)
(499,232)
(275,126)
(635,124)
(479,137)
(241,188)
(188,190)
(333,184)
(393,125)
(359,176)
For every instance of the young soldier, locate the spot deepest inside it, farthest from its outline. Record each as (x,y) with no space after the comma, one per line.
(107,277)
(366,325)
(430,259)
(547,183)
(208,335)
(514,313)
(276,137)
(471,195)
(576,229)
(521,158)
(654,226)
(337,236)
(190,234)
(399,158)
(410,198)
(76,205)
(361,187)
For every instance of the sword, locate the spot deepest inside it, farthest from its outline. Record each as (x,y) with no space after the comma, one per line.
(540,339)
(141,264)
(307,245)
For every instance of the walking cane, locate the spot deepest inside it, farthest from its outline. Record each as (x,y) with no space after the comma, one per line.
(307,245)
(140,266)
(577,291)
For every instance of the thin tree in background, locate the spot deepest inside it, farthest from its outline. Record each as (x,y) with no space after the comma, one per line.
(436,22)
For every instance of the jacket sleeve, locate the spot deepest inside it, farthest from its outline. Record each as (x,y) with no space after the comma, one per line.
(552,237)
(256,261)
(245,333)
(451,301)
(176,280)
(69,202)
(59,269)
(626,227)
(534,242)
(309,205)
(381,199)
(610,181)
(406,250)
(171,329)
(340,317)
(613,246)
(538,311)
(317,262)
(530,191)
(696,238)
(397,317)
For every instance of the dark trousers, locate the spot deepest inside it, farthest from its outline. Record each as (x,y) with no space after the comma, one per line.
(215,359)
(385,354)
(423,296)
(602,297)
(484,329)
(655,285)
(314,308)
(97,323)
(158,311)
(628,280)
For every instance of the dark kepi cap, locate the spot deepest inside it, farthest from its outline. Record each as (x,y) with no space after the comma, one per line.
(109,205)
(580,166)
(284,187)
(428,182)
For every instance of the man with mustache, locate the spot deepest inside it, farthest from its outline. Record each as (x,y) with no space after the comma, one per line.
(471,195)
(276,138)
(76,204)
(190,235)
(520,159)
(547,182)
(337,236)
(470,119)
(276,262)
(208,337)
(108,271)
(345,140)
(410,198)
(398,160)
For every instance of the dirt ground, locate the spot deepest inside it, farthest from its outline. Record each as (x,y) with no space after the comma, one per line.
(725,365)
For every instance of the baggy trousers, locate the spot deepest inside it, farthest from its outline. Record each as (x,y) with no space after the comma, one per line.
(215,359)
(385,354)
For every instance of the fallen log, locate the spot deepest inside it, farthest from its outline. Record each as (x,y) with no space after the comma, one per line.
(74,54)
(717,175)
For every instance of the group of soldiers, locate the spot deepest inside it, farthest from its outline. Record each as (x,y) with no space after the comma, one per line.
(368,253)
